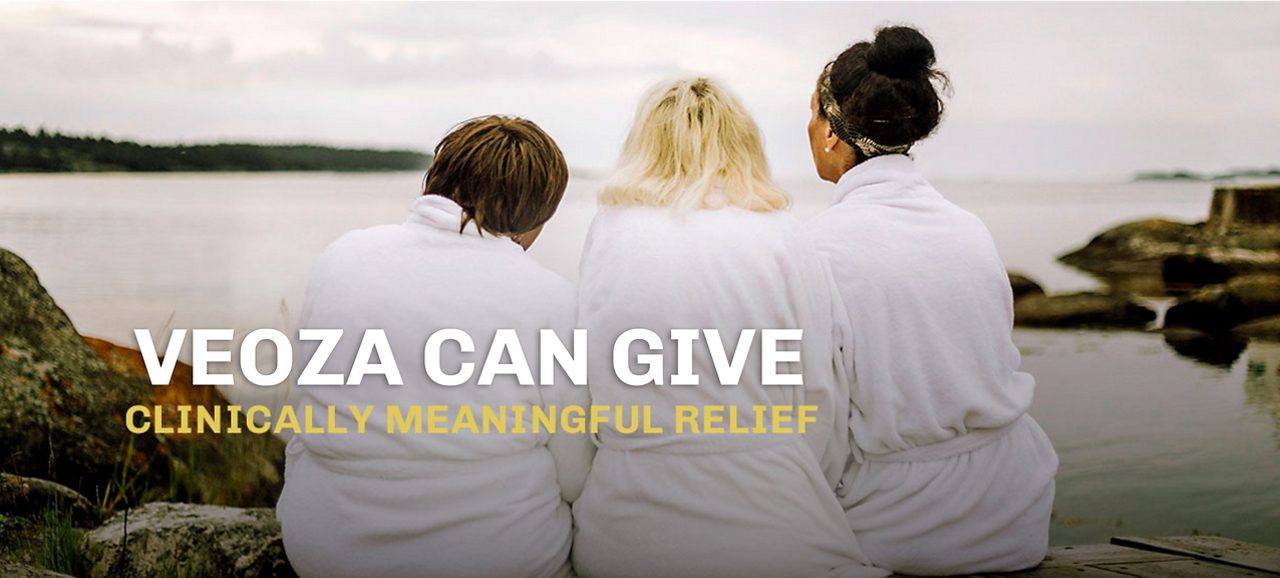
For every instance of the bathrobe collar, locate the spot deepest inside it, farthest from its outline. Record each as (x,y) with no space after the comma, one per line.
(437,212)
(882,178)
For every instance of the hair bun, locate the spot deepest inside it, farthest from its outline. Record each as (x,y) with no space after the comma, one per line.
(901,52)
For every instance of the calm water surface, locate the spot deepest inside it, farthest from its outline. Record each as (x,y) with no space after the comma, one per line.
(1152,443)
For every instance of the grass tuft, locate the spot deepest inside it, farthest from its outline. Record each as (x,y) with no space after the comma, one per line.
(60,544)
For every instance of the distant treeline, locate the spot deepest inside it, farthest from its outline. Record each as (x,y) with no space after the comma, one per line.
(1194,176)
(22,151)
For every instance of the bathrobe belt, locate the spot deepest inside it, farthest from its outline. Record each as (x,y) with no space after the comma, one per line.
(427,468)
(962,444)
(693,443)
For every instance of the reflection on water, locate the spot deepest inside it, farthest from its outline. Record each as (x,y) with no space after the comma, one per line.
(1154,444)
(1262,381)
(1215,350)
(1158,294)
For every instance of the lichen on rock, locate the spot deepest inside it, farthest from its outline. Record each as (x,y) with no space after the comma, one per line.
(61,400)
(187,539)
(63,415)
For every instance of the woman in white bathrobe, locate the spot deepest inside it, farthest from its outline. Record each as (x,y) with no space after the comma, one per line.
(431,504)
(692,234)
(950,475)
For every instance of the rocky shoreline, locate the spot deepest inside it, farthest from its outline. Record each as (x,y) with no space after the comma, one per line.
(1222,277)
(81,496)
(1241,236)
(72,464)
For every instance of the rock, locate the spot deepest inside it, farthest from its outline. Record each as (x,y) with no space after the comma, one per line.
(30,497)
(1242,206)
(1024,286)
(11,570)
(1266,329)
(1241,235)
(1215,350)
(1081,310)
(186,539)
(48,540)
(60,415)
(1218,308)
(1135,248)
(228,470)
(1212,309)
(1259,293)
(1193,270)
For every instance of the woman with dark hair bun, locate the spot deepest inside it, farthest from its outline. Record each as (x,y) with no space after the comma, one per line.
(947,474)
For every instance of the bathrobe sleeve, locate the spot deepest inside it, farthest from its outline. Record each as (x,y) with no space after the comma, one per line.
(572,453)
(825,370)
(842,365)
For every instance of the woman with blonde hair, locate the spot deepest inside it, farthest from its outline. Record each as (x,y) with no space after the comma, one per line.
(693,234)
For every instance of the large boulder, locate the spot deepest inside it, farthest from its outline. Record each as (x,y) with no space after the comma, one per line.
(31,497)
(187,540)
(60,418)
(1090,310)
(1242,235)
(1218,308)
(1197,254)
(1139,247)
(230,470)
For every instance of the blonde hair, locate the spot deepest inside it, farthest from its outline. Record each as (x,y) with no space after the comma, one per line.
(693,146)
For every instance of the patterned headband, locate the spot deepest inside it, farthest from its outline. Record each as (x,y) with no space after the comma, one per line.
(846,133)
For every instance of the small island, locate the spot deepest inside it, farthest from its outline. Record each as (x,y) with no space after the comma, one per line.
(44,152)
(1185,175)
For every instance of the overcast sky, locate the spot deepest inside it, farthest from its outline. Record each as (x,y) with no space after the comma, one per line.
(1041,91)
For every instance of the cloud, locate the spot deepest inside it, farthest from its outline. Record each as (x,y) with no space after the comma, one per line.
(1179,85)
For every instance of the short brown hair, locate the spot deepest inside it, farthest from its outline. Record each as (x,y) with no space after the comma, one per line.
(505,172)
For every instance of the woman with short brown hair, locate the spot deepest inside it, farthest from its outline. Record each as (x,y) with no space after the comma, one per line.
(505,174)
(462,504)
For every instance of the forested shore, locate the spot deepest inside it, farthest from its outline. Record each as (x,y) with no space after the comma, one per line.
(45,152)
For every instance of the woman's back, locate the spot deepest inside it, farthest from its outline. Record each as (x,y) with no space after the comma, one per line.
(404,492)
(726,270)
(929,309)
(949,474)
(413,503)
(693,243)
(699,504)
(409,281)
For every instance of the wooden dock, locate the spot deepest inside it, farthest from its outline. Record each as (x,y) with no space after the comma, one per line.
(1175,557)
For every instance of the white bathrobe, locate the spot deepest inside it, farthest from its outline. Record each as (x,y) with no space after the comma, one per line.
(740,505)
(950,476)
(460,504)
